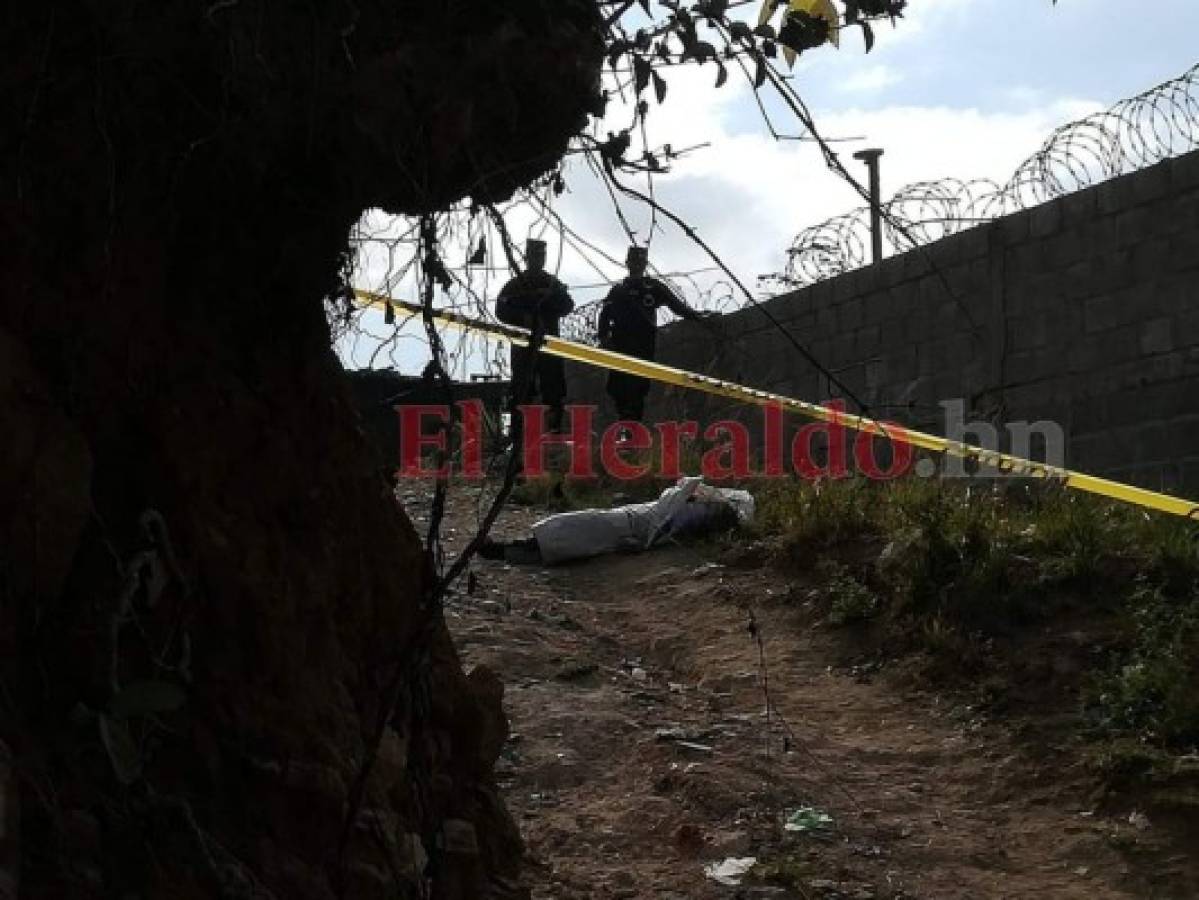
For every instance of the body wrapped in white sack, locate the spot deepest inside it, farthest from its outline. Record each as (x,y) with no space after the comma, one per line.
(686,508)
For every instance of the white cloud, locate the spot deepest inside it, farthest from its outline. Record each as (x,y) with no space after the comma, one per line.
(748,194)
(871,79)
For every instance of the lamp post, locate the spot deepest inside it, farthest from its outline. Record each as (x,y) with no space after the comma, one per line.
(870,158)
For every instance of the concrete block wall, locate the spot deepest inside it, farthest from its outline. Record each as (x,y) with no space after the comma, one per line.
(1084,311)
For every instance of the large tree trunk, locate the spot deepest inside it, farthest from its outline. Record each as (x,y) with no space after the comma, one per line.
(186,498)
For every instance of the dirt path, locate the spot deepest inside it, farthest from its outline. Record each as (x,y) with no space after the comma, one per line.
(641,751)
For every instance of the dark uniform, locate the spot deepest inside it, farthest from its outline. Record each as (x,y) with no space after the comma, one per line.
(536,301)
(628,324)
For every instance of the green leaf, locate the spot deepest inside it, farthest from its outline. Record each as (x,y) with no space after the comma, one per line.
(722,74)
(712,9)
(144,698)
(808,818)
(641,73)
(659,87)
(868,33)
(122,752)
(740,31)
(766,13)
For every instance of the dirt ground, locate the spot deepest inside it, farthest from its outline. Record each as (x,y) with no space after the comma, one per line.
(641,750)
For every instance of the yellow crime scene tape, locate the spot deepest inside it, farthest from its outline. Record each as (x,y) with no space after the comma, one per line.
(608,359)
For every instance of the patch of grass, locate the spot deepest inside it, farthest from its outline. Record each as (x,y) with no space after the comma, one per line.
(850,601)
(813,515)
(962,564)
(1128,760)
(1153,689)
(547,491)
(789,871)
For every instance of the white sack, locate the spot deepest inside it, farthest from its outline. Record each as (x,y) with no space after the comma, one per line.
(681,509)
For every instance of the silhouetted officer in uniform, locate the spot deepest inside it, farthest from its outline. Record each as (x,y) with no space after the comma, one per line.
(628,324)
(535,300)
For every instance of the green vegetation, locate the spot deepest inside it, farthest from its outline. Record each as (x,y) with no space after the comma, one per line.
(787,871)
(976,577)
(850,601)
(1154,688)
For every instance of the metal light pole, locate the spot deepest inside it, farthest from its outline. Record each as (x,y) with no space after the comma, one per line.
(870,158)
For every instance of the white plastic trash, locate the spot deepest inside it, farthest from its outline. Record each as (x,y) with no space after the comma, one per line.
(730,871)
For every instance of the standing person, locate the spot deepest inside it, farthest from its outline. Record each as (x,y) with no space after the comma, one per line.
(535,300)
(628,324)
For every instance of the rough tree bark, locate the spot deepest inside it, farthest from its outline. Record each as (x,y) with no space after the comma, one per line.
(186,498)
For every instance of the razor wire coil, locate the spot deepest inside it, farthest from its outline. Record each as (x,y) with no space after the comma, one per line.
(1158,124)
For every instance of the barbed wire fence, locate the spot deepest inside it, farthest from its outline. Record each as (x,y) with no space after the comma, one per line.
(1156,125)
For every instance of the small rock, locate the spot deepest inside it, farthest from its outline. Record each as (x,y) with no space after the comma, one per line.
(638,674)
(1138,820)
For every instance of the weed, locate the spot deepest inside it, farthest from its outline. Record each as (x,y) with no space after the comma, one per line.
(1128,759)
(850,601)
(789,871)
(963,563)
(816,514)
(1154,689)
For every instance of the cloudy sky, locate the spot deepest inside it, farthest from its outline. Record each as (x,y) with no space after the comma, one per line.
(961,88)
